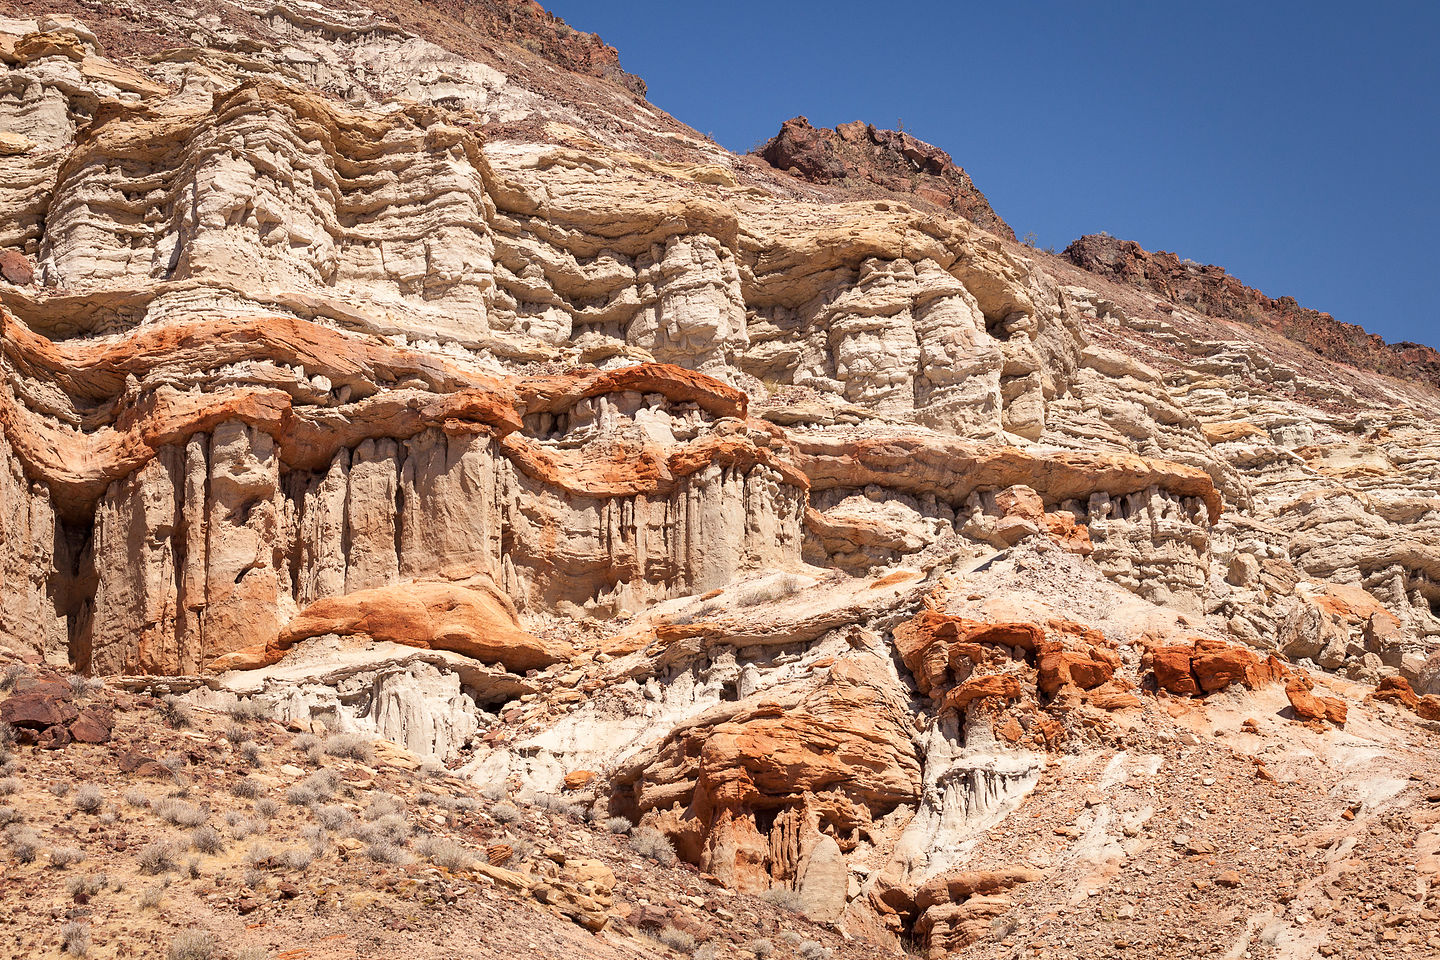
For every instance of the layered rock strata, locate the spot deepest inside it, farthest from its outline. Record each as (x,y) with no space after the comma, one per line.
(401,372)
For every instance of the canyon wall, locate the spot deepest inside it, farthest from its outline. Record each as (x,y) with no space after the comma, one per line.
(405,384)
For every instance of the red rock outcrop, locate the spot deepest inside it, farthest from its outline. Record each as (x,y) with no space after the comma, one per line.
(1207,666)
(1398,690)
(472,618)
(1017,670)
(1023,514)
(956,909)
(863,156)
(1074,656)
(1210,290)
(1311,706)
(942,650)
(43,710)
(754,791)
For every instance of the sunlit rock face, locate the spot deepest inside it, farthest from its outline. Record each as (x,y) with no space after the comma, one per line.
(446,396)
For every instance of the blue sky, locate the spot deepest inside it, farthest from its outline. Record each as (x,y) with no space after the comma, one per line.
(1295,144)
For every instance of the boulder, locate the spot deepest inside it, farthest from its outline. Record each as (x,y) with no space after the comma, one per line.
(15,266)
(37,710)
(1208,665)
(1074,655)
(1309,706)
(1398,690)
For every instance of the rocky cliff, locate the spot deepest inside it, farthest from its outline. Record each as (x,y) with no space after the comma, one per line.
(399,370)
(863,159)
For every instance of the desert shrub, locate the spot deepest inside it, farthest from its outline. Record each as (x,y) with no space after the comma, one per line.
(618,825)
(451,855)
(11,676)
(351,745)
(300,795)
(384,805)
(157,856)
(254,879)
(60,788)
(331,816)
(464,804)
(87,886)
(521,848)
(207,839)
(504,813)
(247,788)
(310,746)
(251,753)
(151,897)
(8,786)
(811,950)
(192,868)
(790,939)
(75,938)
(175,712)
(297,858)
(62,857)
(89,799)
(784,898)
(323,782)
(705,952)
(23,842)
(191,945)
(9,815)
(677,939)
(246,710)
(265,808)
(259,855)
(247,826)
(392,827)
(560,806)
(493,791)
(136,797)
(180,813)
(236,734)
(761,948)
(651,843)
(383,851)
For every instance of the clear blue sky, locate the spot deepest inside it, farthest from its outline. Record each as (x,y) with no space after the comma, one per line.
(1295,144)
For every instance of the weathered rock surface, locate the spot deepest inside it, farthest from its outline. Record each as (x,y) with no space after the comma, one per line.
(892,160)
(396,370)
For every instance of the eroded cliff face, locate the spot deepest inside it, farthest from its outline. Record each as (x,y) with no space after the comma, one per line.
(368,377)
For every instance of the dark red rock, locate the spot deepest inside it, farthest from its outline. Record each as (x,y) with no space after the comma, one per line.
(15,267)
(53,738)
(649,917)
(93,725)
(1210,290)
(864,158)
(128,761)
(36,711)
(801,148)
